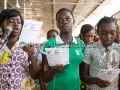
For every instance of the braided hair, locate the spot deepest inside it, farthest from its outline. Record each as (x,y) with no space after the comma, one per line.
(105,20)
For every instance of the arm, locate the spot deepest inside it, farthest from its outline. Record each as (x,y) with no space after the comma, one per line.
(33,68)
(47,71)
(84,75)
(85,70)
(92,80)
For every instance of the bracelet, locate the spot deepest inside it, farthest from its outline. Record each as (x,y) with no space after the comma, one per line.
(30,62)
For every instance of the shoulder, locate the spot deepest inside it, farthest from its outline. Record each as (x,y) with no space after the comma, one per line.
(93,44)
(50,42)
(79,41)
(117,46)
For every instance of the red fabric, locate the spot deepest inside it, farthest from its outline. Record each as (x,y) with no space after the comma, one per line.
(96,39)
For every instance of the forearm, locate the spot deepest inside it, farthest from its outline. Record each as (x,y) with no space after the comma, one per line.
(89,80)
(48,75)
(34,69)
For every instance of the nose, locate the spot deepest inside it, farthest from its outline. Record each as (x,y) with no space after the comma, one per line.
(108,36)
(15,23)
(90,39)
(64,21)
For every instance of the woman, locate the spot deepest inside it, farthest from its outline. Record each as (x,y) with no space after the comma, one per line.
(64,77)
(14,61)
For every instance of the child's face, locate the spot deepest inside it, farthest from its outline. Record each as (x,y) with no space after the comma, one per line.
(107,32)
(117,39)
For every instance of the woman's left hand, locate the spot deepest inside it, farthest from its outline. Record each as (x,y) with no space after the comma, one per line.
(30,51)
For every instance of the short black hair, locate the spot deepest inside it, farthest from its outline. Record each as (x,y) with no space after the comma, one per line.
(3,14)
(105,20)
(64,9)
(14,13)
(52,30)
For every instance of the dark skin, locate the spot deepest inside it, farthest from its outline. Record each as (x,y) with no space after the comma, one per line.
(107,33)
(51,34)
(34,68)
(65,23)
(117,39)
(15,23)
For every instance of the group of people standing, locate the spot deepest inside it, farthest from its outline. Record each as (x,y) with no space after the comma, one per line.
(85,55)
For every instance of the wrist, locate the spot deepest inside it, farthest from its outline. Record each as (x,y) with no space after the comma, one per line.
(31,58)
(96,80)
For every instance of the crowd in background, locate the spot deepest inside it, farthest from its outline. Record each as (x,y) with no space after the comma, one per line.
(26,68)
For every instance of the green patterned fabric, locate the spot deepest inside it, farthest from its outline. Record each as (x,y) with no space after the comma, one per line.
(68,77)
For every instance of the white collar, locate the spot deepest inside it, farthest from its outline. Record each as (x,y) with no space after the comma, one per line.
(60,41)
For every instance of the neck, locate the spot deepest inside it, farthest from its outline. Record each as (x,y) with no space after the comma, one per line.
(11,41)
(66,37)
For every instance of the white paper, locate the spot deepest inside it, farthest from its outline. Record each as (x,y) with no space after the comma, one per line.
(30,31)
(57,56)
(108,74)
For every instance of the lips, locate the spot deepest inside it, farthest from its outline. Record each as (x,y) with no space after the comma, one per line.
(15,30)
(108,42)
(65,27)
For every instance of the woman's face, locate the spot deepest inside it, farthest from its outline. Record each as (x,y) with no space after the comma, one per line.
(89,37)
(15,23)
(107,33)
(65,21)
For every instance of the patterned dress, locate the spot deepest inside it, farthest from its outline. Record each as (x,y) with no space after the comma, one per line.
(98,59)
(13,67)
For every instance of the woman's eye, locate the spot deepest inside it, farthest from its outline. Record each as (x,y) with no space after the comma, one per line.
(19,22)
(11,21)
(68,19)
(59,20)
(112,33)
(103,33)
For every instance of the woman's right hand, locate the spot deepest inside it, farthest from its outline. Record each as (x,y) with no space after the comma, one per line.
(102,83)
(57,68)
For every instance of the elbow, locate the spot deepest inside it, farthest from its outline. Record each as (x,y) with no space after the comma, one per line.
(82,77)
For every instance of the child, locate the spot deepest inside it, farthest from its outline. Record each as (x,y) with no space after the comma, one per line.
(93,56)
